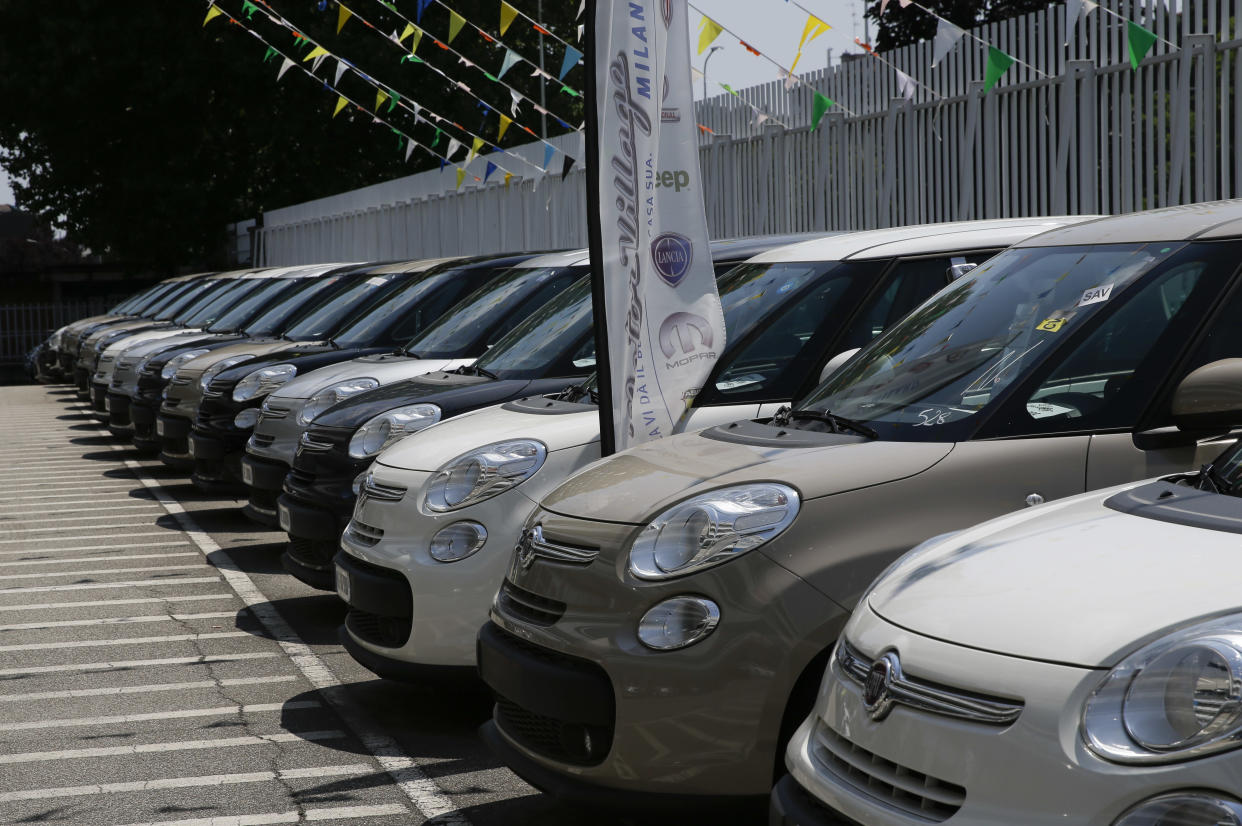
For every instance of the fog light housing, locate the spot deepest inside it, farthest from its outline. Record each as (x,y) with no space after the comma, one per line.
(457,541)
(246,419)
(678,622)
(1184,809)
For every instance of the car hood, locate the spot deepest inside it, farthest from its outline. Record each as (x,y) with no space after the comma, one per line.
(385,368)
(255,347)
(1071,582)
(631,486)
(559,425)
(156,344)
(130,345)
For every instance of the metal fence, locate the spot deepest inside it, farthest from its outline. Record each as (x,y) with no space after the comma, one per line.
(1071,128)
(22,326)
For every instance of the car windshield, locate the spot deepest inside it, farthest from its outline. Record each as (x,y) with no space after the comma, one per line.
(556,340)
(193,302)
(208,313)
(266,291)
(136,302)
(272,321)
(321,322)
(479,321)
(171,297)
(952,357)
(421,300)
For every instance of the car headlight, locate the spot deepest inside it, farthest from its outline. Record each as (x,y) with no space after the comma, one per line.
(484,473)
(263,381)
(219,367)
(387,428)
(1177,698)
(1182,809)
(176,361)
(712,528)
(329,396)
(246,419)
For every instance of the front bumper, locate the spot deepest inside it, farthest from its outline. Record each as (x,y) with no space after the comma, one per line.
(264,478)
(174,434)
(694,721)
(1036,770)
(99,400)
(792,805)
(312,548)
(120,423)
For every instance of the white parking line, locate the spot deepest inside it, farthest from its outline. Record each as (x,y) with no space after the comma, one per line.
(88,484)
(48,646)
(60,474)
(84,549)
(349,770)
(133,521)
(91,586)
(163,533)
(297,816)
(97,603)
(45,512)
(110,666)
(39,626)
(94,498)
(97,571)
(160,748)
(112,719)
(94,559)
(60,519)
(116,691)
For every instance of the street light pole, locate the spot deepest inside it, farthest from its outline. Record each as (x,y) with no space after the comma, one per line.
(710,52)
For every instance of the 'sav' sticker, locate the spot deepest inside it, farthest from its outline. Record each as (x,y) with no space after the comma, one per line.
(1095,295)
(1051,325)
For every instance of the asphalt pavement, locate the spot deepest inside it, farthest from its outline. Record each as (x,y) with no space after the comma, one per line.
(157,666)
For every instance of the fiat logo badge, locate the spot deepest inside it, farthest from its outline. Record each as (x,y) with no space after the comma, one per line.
(877,695)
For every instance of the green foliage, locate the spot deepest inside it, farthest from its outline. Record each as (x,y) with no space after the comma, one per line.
(142,133)
(901,27)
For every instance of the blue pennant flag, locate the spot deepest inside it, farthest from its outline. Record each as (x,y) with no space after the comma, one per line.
(548,152)
(572,56)
(422,7)
(491,167)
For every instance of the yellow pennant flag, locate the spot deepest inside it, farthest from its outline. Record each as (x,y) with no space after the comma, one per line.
(461,176)
(709,30)
(456,21)
(380,97)
(409,30)
(508,177)
(340,104)
(507,15)
(504,126)
(318,51)
(212,14)
(475,146)
(813,29)
(344,15)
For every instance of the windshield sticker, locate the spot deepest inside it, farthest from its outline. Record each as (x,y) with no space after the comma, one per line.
(1044,410)
(1096,295)
(932,417)
(377,281)
(1051,325)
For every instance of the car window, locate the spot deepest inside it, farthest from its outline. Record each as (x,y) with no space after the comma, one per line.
(270,290)
(273,321)
(408,308)
(182,310)
(208,313)
(549,340)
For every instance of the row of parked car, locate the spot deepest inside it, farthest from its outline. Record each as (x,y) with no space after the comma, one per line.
(727,613)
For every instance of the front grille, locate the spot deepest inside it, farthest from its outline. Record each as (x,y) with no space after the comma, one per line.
(299,478)
(382,493)
(262,440)
(273,412)
(312,445)
(891,784)
(529,607)
(180,381)
(364,534)
(316,555)
(573,743)
(390,632)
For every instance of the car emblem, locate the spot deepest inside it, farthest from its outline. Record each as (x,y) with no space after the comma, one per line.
(876,694)
(526,550)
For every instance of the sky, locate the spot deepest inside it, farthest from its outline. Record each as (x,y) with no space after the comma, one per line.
(771,26)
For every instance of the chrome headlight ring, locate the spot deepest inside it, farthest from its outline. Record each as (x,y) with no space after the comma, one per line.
(331,395)
(171,367)
(483,473)
(219,367)
(387,428)
(263,381)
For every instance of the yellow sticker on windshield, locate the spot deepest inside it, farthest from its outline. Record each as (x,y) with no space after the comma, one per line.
(1051,325)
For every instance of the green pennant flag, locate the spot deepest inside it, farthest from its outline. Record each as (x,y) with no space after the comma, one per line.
(269,54)
(249,9)
(998,64)
(413,58)
(392,101)
(573,93)
(729,89)
(819,109)
(436,142)
(1140,41)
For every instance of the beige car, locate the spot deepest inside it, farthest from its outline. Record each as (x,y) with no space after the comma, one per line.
(668,614)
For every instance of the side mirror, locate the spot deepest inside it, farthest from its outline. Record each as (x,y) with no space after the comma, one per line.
(959,267)
(835,363)
(1209,400)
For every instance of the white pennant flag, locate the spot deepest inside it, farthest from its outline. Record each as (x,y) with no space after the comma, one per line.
(509,60)
(341,69)
(409,149)
(1074,9)
(454,145)
(317,62)
(947,36)
(516,100)
(760,118)
(790,81)
(284,67)
(581,9)
(905,84)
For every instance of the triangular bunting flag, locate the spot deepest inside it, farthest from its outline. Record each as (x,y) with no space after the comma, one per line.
(819,108)
(453,146)
(491,167)
(813,29)
(572,56)
(506,64)
(340,104)
(947,36)
(729,89)
(380,97)
(284,67)
(422,7)
(456,21)
(507,15)
(212,14)
(548,151)
(568,165)
(504,126)
(342,17)
(406,32)
(318,51)
(998,64)
(341,68)
(409,150)
(1139,41)
(790,81)
(1075,9)
(905,85)
(392,100)
(517,99)
(269,54)
(249,9)
(508,178)
(581,9)
(461,176)
(760,119)
(709,30)
(475,146)
(436,140)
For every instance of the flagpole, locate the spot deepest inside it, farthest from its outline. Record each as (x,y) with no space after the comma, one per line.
(595,243)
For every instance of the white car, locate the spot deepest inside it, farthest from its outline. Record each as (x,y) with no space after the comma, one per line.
(1079,662)
(417,599)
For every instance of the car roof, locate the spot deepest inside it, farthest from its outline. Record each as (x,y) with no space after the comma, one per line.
(744,247)
(918,239)
(416,265)
(568,258)
(1213,220)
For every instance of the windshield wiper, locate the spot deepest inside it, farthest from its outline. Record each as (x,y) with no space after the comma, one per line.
(836,424)
(332,341)
(487,374)
(1209,479)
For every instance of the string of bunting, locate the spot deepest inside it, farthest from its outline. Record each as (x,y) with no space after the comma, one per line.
(1139,40)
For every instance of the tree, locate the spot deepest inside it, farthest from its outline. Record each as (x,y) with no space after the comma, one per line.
(901,27)
(142,133)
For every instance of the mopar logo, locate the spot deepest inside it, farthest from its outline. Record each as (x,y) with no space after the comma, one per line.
(684,334)
(672,255)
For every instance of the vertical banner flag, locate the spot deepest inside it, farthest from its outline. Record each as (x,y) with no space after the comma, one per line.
(658,321)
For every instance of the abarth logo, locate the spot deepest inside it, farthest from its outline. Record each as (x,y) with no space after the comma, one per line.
(876,688)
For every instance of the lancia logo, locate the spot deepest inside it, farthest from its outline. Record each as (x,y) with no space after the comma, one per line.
(877,696)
